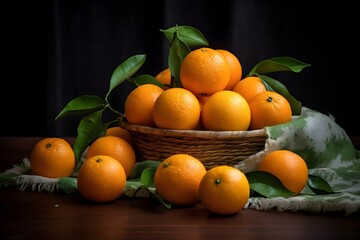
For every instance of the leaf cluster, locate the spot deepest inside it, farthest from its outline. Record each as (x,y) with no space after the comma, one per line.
(279,64)
(91,126)
(263,184)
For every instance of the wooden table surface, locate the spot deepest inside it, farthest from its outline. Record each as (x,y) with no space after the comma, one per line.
(34,215)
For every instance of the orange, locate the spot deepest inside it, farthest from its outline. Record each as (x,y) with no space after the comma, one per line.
(119,132)
(101,179)
(139,104)
(288,167)
(235,68)
(204,71)
(268,109)
(249,87)
(52,158)
(114,147)
(224,190)
(164,77)
(178,177)
(176,108)
(226,111)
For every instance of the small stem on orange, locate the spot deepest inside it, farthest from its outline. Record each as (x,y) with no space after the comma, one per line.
(217,181)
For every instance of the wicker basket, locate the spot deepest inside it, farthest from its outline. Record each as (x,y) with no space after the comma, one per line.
(212,148)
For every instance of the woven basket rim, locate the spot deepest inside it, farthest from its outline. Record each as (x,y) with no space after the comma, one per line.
(203,134)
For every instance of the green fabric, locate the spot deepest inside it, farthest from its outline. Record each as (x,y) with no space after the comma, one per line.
(329,154)
(325,146)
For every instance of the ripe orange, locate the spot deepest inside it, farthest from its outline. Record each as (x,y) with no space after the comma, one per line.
(226,110)
(288,167)
(119,132)
(114,147)
(101,179)
(224,190)
(249,87)
(176,108)
(204,71)
(139,104)
(235,68)
(268,109)
(52,158)
(178,177)
(164,77)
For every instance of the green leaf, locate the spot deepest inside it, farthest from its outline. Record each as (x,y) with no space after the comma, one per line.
(126,70)
(191,36)
(307,190)
(90,127)
(178,52)
(277,64)
(275,85)
(147,177)
(133,183)
(104,127)
(319,185)
(139,167)
(146,171)
(267,185)
(82,104)
(181,38)
(154,195)
(147,79)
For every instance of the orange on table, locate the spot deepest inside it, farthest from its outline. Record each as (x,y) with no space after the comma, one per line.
(204,71)
(139,104)
(119,132)
(114,147)
(268,109)
(289,167)
(224,190)
(177,179)
(249,87)
(52,157)
(164,77)
(176,108)
(226,111)
(235,68)
(101,178)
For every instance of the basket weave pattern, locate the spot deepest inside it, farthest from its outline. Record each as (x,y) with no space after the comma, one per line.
(212,148)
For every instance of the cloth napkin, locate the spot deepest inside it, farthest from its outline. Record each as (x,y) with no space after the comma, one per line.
(325,146)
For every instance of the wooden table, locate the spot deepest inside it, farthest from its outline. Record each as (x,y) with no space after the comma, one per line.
(34,215)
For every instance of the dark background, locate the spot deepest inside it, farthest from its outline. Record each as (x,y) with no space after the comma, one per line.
(54,51)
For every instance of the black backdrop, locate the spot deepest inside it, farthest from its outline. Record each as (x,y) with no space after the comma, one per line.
(56,50)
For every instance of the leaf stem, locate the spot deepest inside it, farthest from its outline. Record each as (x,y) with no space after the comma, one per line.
(112,109)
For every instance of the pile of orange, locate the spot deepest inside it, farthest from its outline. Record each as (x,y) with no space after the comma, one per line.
(214,96)
(183,180)
(180,179)
(102,177)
